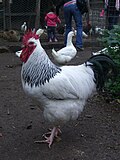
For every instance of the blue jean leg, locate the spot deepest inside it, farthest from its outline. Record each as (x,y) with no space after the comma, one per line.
(78,20)
(69,12)
(51,32)
(68,21)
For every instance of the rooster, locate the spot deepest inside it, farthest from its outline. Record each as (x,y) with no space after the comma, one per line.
(87,29)
(61,92)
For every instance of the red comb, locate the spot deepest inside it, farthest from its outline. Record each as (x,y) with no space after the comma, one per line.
(28,35)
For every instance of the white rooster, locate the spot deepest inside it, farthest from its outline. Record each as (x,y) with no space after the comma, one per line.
(67,53)
(61,92)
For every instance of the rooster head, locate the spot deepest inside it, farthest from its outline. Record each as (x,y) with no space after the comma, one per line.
(30,41)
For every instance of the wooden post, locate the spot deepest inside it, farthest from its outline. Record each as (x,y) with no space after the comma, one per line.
(7,5)
(9,11)
(37,20)
(4,20)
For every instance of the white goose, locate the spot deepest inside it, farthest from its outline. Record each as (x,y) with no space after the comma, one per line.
(67,53)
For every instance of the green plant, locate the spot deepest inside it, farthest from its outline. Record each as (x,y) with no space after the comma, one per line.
(111,40)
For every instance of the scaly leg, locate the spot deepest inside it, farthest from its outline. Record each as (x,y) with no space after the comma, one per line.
(54,133)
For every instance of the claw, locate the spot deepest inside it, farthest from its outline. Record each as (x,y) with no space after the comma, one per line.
(54,133)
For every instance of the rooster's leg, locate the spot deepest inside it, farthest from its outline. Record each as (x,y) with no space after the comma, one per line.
(57,131)
(54,133)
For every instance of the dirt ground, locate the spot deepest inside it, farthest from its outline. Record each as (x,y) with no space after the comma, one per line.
(94,136)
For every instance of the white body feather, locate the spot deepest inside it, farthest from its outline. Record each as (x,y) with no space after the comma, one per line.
(67,53)
(61,92)
(63,97)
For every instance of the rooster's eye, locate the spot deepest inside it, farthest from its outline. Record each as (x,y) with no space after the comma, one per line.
(31,43)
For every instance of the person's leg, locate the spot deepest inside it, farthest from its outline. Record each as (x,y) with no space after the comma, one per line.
(49,33)
(54,34)
(78,20)
(113,19)
(68,21)
(116,18)
(110,22)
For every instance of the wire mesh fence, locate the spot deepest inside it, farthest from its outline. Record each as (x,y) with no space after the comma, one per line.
(13,13)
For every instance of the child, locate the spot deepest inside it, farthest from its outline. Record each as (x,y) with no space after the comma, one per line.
(51,20)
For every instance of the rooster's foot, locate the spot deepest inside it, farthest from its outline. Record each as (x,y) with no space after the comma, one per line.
(57,131)
(54,133)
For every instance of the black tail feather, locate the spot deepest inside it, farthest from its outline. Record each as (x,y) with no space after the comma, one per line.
(102,65)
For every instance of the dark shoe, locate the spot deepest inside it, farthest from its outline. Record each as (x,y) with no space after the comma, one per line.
(80,48)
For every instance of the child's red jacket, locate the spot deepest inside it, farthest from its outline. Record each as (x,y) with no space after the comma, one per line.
(52,19)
